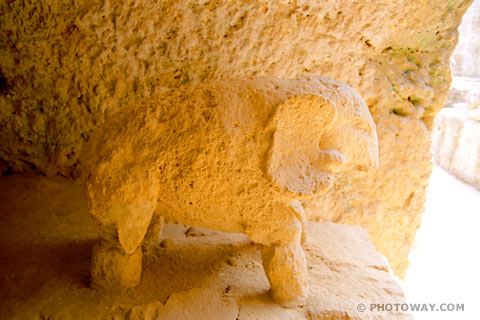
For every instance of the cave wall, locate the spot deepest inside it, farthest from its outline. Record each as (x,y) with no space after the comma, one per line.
(67,66)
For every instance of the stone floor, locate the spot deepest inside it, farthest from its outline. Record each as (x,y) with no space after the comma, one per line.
(46,238)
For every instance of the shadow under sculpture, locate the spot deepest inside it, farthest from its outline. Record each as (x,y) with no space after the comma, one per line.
(234,155)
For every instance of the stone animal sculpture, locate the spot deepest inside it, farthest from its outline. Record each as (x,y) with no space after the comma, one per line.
(234,156)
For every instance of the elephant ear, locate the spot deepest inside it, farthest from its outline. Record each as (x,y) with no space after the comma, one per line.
(295,155)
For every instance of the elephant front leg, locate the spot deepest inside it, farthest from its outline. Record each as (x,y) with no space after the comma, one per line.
(280,232)
(286,270)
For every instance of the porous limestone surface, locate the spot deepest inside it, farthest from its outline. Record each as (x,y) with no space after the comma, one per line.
(456,143)
(46,238)
(66,67)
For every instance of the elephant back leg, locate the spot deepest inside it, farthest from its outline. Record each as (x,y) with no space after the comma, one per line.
(122,200)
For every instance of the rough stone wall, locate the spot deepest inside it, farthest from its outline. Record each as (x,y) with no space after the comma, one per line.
(65,67)
(465,59)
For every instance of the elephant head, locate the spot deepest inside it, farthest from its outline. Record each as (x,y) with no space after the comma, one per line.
(320,134)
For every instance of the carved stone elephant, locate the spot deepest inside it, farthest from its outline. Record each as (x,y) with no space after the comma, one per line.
(234,155)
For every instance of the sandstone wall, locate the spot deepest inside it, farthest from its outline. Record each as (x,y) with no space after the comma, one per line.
(65,67)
